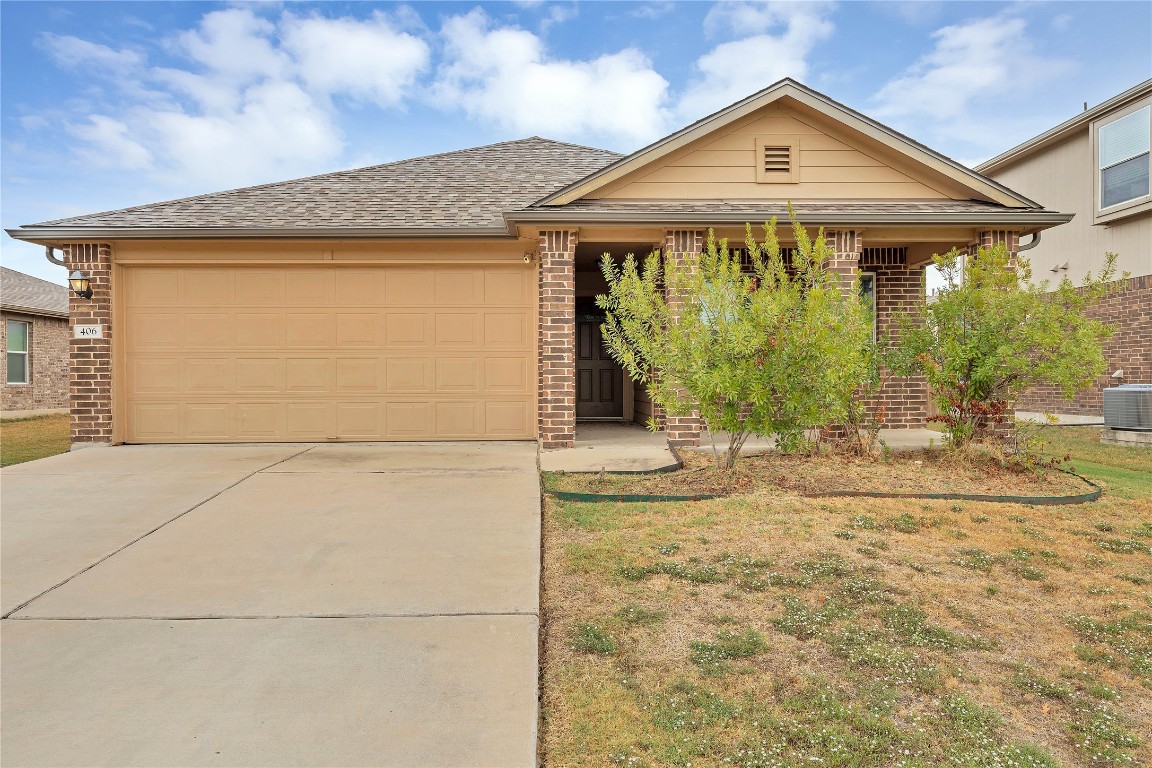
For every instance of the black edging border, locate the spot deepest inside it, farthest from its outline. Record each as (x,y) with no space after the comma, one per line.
(1044,501)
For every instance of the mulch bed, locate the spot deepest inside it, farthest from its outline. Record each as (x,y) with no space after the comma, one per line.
(921,472)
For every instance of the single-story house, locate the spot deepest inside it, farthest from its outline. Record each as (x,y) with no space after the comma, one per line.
(34,334)
(1095,165)
(451,297)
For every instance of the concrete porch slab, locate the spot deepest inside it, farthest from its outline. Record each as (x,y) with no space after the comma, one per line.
(444,691)
(325,544)
(611,447)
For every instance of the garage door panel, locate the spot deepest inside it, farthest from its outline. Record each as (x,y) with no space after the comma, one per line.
(209,375)
(358,374)
(308,374)
(260,353)
(310,330)
(207,287)
(259,330)
(456,329)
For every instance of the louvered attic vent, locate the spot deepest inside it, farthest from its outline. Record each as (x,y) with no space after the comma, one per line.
(776,160)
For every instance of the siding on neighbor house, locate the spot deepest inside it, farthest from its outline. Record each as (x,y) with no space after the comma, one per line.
(47,386)
(1061,176)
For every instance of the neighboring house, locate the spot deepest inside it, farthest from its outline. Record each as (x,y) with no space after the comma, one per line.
(452,296)
(34,335)
(1096,167)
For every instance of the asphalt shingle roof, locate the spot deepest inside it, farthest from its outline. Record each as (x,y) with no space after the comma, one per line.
(780,207)
(25,293)
(462,189)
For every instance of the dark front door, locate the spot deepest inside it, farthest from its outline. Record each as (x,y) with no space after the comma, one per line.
(599,380)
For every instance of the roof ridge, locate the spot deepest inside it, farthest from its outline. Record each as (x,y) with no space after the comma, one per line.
(326,175)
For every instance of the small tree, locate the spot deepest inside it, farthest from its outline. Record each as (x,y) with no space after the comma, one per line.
(768,351)
(990,333)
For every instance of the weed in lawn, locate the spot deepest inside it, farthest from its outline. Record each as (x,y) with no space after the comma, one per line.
(974,729)
(1124,546)
(870,552)
(904,524)
(826,565)
(910,625)
(589,638)
(668,549)
(1030,681)
(1143,530)
(981,518)
(865,523)
(1135,578)
(1128,638)
(1104,527)
(974,559)
(845,535)
(805,621)
(712,657)
(1101,733)
(1028,572)
(638,616)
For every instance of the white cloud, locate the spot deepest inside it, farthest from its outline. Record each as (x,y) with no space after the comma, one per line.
(235,43)
(503,75)
(108,144)
(74,53)
(784,34)
(375,61)
(979,60)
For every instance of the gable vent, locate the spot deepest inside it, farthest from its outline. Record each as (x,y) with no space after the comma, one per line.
(776,160)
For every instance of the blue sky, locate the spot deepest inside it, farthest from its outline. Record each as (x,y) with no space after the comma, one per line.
(109,104)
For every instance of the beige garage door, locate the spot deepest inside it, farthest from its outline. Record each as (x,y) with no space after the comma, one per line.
(327,353)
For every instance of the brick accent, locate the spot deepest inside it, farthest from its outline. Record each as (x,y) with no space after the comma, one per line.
(47,386)
(846,245)
(678,245)
(1130,349)
(904,399)
(557,343)
(989,237)
(90,376)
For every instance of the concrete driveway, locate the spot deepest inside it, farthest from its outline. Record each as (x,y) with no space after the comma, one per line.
(331,605)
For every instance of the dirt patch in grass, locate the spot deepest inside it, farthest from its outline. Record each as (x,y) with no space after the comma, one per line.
(929,471)
(771,629)
(36,438)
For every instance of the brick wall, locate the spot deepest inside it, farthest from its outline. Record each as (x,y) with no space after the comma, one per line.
(91,359)
(904,399)
(557,367)
(47,385)
(1130,349)
(678,245)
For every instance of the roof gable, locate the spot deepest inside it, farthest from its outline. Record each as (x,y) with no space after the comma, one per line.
(909,169)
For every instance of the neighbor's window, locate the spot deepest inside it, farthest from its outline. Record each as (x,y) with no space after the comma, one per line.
(1123,147)
(868,295)
(16,334)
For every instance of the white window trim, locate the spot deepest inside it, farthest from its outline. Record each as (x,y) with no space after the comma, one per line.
(8,353)
(1128,207)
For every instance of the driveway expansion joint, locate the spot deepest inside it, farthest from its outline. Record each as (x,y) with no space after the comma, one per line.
(118,550)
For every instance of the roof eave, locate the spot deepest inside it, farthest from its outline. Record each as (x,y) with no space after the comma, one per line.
(1037,219)
(56,236)
(38,311)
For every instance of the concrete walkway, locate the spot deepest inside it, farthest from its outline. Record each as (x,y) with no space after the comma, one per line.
(352,605)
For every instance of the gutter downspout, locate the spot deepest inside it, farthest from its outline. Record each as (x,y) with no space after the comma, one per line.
(48,254)
(1035,241)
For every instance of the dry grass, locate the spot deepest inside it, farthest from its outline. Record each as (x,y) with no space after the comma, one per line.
(36,438)
(770,629)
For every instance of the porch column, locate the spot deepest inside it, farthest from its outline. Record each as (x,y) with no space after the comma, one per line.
(90,359)
(847,245)
(679,245)
(556,409)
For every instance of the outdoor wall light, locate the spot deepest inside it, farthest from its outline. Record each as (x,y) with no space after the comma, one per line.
(81,284)
(528,257)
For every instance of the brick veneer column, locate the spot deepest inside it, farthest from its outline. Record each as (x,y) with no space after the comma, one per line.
(90,360)
(678,245)
(557,345)
(847,245)
(904,399)
(986,239)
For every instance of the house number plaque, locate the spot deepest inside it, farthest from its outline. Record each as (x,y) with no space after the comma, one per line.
(87,331)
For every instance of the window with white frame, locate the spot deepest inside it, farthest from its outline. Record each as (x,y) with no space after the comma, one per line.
(1123,158)
(16,335)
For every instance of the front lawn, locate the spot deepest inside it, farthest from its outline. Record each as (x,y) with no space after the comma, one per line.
(769,629)
(28,439)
